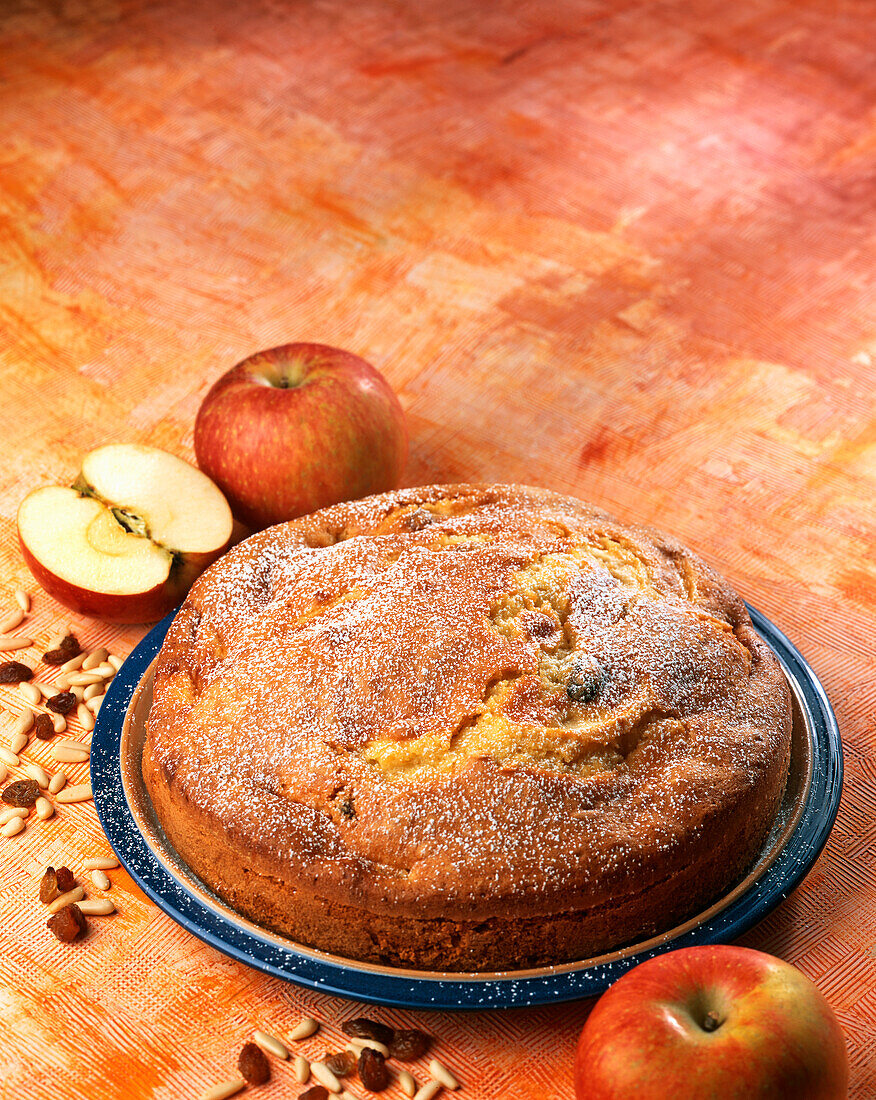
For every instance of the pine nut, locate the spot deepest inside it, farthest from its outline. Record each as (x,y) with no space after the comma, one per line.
(356,1045)
(44,809)
(11,621)
(86,718)
(430,1089)
(81,792)
(34,771)
(76,894)
(441,1073)
(92,691)
(24,721)
(45,690)
(71,743)
(106,670)
(59,722)
(324,1075)
(94,704)
(95,657)
(31,693)
(9,757)
(74,663)
(100,879)
(17,742)
(14,642)
(302,1070)
(270,1044)
(22,599)
(97,907)
(12,827)
(79,692)
(65,755)
(101,863)
(115,661)
(224,1089)
(406,1083)
(83,679)
(4,771)
(62,682)
(304,1029)
(13,811)
(58,781)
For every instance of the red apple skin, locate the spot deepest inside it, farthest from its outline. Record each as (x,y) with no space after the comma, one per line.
(296,428)
(136,607)
(778,1038)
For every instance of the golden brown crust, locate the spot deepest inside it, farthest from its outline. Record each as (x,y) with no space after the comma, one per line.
(466,727)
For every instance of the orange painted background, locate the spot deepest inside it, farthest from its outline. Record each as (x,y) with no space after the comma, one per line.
(621,249)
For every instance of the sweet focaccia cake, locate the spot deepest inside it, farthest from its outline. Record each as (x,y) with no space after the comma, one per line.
(466,727)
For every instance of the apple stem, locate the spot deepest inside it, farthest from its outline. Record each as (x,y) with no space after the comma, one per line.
(289,376)
(711,1022)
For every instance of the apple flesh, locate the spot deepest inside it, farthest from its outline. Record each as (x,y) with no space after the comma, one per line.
(127,540)
(712,1022)
(296,428)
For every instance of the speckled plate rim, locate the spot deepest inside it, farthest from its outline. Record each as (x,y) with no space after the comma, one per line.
(788,854)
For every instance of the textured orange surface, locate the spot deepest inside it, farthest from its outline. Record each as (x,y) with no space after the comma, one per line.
(621,249)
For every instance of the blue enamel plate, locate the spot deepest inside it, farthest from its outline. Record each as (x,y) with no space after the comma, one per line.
(807,814)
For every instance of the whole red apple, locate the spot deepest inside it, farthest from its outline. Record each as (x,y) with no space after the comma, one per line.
(712,1023)
(299,427)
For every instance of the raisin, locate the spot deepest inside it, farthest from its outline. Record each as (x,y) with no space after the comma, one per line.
(584,682)
(372,1070)
(363,1028)
(341,1063)
(24,792)
(65,879)
(67,649)
(347,808)
(49,886)
(67,923)
(407,1046)
(44,727)
(540,626)
(62,703)
(417,520)
(253,1065)
(316,1093)
(13,672)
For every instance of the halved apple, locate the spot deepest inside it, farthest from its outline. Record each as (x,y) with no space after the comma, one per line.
(127,540)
